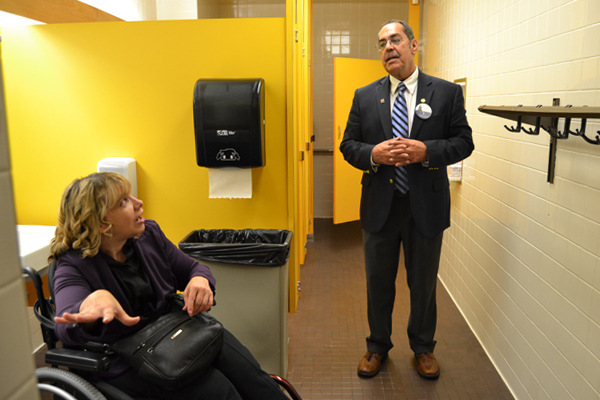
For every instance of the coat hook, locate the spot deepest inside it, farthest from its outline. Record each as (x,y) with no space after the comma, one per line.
(581,133)
(518,128)
(550,118)
(537,128)
(567,129)
(554,132)
(597,141)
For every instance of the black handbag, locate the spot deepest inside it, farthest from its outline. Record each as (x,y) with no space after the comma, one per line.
(175,348)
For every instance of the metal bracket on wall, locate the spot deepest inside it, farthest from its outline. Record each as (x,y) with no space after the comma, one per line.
(547,118)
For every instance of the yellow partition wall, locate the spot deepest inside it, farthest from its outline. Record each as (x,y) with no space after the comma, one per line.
(414,21)
(349,74)
(299,122)
(78,93)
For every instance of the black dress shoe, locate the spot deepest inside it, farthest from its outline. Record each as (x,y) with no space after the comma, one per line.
(370,364)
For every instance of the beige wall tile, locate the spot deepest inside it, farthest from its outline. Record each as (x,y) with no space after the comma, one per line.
(176,9)
(539,243)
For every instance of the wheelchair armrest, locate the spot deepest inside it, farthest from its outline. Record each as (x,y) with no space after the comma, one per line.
(78,359)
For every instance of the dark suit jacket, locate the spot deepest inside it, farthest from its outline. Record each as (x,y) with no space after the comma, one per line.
(446,134)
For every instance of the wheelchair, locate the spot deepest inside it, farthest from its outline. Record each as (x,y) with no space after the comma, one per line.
(63,379)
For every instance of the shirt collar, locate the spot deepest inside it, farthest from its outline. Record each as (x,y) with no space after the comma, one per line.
(410,82)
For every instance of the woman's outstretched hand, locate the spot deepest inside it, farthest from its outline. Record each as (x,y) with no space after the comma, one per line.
(99,305)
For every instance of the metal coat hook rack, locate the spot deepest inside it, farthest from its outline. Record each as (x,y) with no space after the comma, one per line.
(546,118)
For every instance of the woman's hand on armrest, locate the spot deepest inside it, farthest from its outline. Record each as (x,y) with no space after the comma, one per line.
(198,296)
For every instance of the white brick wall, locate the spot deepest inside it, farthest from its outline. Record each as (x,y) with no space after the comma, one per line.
(522,258)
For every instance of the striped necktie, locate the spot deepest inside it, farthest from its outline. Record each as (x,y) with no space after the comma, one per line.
(400,129)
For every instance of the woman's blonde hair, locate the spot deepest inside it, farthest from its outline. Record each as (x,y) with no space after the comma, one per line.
(83,210)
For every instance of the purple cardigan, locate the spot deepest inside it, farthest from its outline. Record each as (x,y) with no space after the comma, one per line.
(168,269)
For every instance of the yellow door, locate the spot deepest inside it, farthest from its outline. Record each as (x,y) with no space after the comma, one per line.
(348,75)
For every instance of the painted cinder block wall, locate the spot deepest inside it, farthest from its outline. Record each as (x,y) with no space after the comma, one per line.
(522,258)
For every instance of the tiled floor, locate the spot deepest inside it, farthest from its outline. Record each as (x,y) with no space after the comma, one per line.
(327,334)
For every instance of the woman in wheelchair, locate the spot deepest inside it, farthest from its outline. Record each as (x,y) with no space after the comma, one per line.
(114,272)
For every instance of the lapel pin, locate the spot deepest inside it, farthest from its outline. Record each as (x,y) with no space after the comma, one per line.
(382,101)
(423,110)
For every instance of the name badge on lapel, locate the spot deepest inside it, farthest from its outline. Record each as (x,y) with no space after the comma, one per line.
(423,110)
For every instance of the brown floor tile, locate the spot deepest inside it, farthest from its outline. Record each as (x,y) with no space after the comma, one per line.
(328,331)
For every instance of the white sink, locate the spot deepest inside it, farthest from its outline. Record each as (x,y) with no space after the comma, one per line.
(34,245)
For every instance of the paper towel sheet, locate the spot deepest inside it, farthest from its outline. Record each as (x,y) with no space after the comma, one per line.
(230,183)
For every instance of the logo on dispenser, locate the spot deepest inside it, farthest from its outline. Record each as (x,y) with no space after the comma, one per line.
(228,155)
(225,132)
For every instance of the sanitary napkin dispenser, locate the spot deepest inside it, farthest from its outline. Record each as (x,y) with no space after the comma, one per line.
(229,122)
(121,165)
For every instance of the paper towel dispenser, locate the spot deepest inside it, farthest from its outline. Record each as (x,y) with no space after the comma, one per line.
(229,122)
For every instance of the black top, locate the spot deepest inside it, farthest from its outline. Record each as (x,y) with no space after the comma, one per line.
(133,280)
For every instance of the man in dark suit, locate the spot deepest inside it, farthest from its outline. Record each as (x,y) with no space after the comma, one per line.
(403,145)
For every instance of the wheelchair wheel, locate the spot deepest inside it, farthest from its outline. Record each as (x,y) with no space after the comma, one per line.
(66,385)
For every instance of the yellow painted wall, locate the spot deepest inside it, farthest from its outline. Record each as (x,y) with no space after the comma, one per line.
(77,93)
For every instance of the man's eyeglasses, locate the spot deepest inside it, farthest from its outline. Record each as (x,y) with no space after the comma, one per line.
(382,44)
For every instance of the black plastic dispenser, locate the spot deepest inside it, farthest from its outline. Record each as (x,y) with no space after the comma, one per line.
(229,122)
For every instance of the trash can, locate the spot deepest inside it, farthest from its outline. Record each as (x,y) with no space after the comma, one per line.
(251,268)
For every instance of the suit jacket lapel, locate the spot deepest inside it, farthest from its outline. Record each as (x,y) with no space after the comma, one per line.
(384,107)
(424,91)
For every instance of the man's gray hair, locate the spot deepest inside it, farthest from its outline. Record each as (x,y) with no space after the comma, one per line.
(407,29)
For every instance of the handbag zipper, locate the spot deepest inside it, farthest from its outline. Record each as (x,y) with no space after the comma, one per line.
(149,339)
(160,339)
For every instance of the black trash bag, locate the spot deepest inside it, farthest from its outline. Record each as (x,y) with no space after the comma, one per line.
(262,247)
